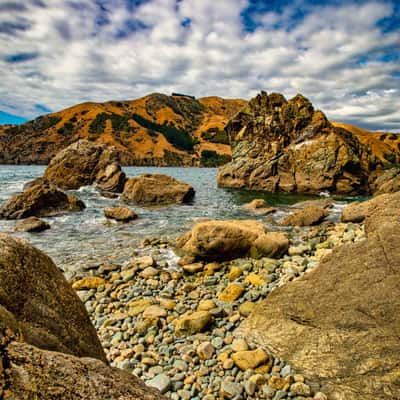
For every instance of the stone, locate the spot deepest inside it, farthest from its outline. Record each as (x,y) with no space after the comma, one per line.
(259,207)
(136,307)
(300,389)
(161,382)
(250,359)
(239,345)
(156,190)
(205,350)
(206,305)
(272,244)
(40,201)
(149,272)
(193,268)
(320,396)
(122,214)
(111,178)
(343,310)
(230,390)
(254,280)
(154,311)
(234,273)
(219,240)
(388,181)
(287,145)
(310,215)
(78,164)
(32,224)
(193,323)
(89,282)
(46,308)
(231,293)
(250,387)
(246,308)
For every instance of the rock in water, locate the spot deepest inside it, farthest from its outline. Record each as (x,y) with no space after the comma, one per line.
(48,311)
(281,145)
(123,214)
(226,240)
(80,163)
(309,215)
(156,189)
(32,224)
(40,201)
(339,324)
(111,178)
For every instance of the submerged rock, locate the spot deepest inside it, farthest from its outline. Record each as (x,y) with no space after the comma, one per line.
(281,145)
(123,214)
(338,324)
(226,240)
(40,201)
(32,224)
(156,189)
(80,163)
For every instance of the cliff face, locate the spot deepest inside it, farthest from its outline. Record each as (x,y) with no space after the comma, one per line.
(280,145)
(154,130)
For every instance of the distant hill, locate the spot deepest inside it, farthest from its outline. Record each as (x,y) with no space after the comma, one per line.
(157,130)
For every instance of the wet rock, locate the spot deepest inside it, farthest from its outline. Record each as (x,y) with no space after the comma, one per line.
(32,224)
(259,207)
(80,163)
(156,189)
(122,214)
(310,215)
(111,178)
(40,201)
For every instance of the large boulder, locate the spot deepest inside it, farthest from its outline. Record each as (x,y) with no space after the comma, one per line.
(111,178)
(358,211)
(156,189)
(48,311)
(280,145)
(80,163)
(226,240)
(40,200)
(339,324)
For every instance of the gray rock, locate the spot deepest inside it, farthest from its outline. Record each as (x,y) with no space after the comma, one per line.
(162,382)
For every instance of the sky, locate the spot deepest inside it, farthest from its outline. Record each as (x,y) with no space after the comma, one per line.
(343,55)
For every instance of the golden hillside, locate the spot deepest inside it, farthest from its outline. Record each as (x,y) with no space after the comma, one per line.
(154,130)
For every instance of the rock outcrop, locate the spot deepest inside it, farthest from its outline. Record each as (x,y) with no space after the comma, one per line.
(387,182)
(280,145)
(339,324)
(45,307)
(156,189)
(80,163)
(48,347)
(226,240)
(40,200)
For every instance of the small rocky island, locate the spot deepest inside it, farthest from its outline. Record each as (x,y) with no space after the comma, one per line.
(301,303)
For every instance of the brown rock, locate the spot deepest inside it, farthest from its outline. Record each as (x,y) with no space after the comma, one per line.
(122,214)
(259,207)
(40,201)
(32,224)
(309,215)
(89,282)
(156,189)
(280,145)
(111,178)
(338,324)
(272,244)
(220,240)
(32,373)
(80,163)
(387,182)
(231,293)
(48,311)
(250,359)
(193,323)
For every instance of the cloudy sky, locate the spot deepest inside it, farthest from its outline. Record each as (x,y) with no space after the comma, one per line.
(343,55)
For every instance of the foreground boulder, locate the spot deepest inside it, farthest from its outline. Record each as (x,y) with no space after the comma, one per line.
(338,325)
(226,240)
(80,163)
(48,311)
(359,211)
(156,189)
(48,347)
(40,201)
(32,224)
(309,215)
(281,145)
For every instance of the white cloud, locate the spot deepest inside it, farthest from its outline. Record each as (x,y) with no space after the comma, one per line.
(331,55)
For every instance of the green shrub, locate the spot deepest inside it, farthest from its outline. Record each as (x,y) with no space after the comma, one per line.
(98,124)
(67,129)
(210,158)
(215,135)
